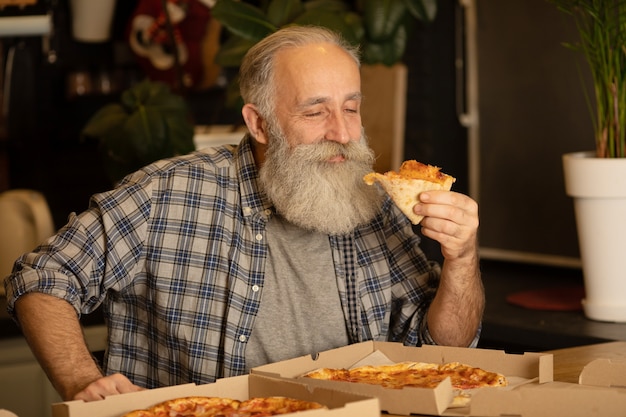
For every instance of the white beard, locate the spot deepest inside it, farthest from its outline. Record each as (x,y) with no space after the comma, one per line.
(317,195)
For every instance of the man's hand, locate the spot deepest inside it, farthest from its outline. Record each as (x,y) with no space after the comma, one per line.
(451,219)
(54,333)
(107,385)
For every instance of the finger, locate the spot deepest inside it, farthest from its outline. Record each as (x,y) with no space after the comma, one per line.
(451,206)
(109,385)
(124,385)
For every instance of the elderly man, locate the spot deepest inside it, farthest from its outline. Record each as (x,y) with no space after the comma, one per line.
(212,263)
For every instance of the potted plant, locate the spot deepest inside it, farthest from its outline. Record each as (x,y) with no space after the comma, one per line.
(597,179)
(149,123)
(381,28)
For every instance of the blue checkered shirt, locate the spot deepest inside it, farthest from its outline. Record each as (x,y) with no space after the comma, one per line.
(176,256)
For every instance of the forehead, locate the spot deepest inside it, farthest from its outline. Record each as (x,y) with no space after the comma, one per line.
(315,69)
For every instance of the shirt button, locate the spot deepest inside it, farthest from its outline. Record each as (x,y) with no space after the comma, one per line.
(242,338)
(255,288)
(247,211)
(268,212)
(259,236)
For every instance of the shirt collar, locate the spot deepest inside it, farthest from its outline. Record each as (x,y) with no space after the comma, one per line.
(254,202)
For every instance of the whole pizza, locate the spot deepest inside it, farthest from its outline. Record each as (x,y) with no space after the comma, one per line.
(225,407)
(414,374)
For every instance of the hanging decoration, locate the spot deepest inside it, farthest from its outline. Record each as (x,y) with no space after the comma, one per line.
(167,38)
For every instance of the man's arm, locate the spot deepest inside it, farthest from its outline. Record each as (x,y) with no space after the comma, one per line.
(457,309)
(55,336)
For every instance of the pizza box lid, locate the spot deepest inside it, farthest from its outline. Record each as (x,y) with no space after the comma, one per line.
(604,373)
(340,404)
(530,366)
(549,400)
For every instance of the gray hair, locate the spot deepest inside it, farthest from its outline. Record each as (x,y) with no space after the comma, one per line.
(256,81)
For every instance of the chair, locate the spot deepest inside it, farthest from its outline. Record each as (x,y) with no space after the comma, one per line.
(25,222)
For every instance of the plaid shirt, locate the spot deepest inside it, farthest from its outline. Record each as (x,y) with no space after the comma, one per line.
(177,254)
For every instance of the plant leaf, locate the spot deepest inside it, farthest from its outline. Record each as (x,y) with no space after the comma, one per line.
(334,21)
(381,18)
(424,10)
(146,133)
(148,124)
(243,19)
(180,132)
(389,52)
(281,12)
(355,22)
(104,120)
(337,6)
(232,51)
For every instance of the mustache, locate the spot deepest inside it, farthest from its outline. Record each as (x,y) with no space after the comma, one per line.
(323,151)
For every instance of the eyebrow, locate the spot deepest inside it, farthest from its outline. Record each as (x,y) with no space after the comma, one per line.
(322,99)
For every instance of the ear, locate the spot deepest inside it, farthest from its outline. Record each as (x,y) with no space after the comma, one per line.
(255,123)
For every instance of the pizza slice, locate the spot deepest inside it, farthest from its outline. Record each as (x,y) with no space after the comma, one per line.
(405,186)
(271,406)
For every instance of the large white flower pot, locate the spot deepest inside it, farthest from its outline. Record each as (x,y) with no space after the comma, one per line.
(598,187)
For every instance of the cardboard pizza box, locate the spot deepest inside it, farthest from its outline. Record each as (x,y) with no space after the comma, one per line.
(609,373)
(550,400)
(340,404)
(600,392)
(530,367)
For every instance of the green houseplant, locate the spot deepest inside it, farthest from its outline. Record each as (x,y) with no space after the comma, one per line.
(597,179)
(380,27)
(601,25)
(150,122)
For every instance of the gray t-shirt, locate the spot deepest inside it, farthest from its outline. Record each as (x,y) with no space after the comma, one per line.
(300,310)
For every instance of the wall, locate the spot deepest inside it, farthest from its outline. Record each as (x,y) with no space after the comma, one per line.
(532,109)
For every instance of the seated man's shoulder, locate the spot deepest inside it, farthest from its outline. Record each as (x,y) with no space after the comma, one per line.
(206,160)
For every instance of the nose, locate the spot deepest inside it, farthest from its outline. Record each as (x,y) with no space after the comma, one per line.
(338,128)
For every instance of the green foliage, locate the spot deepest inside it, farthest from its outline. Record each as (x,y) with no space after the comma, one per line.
(149,123)
(380,27)
(601,25)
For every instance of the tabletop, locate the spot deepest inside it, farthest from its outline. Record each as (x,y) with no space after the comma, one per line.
(514,328)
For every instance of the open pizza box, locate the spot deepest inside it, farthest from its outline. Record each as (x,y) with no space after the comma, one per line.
(601,392)
(340,404)
(521,368)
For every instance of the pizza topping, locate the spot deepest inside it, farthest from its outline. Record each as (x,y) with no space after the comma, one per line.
(412,169)
(405,186)
(414,374)
(225,407)
(271,406)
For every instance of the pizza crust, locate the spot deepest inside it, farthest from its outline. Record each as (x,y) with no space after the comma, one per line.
(405,186)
